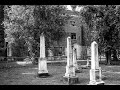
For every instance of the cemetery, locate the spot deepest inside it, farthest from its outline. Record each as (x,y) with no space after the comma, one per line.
(53,73)
(43,52)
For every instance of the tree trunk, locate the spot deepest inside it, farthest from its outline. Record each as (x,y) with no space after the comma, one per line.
(115,58)
(30,51)
(108,56)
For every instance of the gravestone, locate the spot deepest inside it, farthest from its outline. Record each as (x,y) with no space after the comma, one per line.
(95,70)
(88,57)
(88,63)
(87,66)
(70,75)
(77,69)
(78,50)
(50,55)
(9,52)
(42,63)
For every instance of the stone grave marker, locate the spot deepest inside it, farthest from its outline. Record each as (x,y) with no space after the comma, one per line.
(70,75)
(77,69)
(95,69)
(42,63)
(9,52)
(88,57)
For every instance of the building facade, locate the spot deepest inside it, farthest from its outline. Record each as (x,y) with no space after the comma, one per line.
(75,28)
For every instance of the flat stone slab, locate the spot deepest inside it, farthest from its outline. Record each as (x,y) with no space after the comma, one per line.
(71,80)
(97,83)
(85,67)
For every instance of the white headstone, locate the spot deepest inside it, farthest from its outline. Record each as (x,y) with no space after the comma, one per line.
(74,59)
(9,50)
(42,46)
(50,55)
(95,69)
(94,56)
(70,69)
(88,64)
(78,50)
(42,64)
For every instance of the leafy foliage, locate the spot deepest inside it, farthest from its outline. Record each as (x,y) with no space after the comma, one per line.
(49,19)
(105,21)
(18,23)
(27,22)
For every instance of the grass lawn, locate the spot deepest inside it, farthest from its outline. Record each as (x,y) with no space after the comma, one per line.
(27,75)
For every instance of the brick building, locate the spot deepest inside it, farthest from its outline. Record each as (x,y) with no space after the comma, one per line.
(74,28)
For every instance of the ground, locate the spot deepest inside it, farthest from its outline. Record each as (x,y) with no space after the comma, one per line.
(14,74)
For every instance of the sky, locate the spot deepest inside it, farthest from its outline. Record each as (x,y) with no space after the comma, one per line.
(77,8)
(69,7)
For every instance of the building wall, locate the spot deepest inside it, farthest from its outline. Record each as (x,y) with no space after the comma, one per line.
(74,26)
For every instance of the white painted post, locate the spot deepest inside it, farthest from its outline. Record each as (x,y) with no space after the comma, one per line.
(42,63)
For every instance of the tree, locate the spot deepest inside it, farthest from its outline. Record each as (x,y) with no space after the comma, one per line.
(111,34)
(27,22)
(49,19)
(18,23)
(106,21)
(1,27)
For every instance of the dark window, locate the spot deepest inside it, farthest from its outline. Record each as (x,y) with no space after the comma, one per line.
(73,35)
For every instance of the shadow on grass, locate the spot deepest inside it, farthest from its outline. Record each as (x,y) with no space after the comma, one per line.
(43,76)
(111,63)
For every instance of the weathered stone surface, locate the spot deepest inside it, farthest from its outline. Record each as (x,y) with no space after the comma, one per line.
(97,83)
(77,70)
(95,71)
(42,62)
(70,68)
(71,80)
(70,75)
(94,56)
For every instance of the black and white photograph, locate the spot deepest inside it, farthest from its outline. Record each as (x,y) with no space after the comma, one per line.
(59,44)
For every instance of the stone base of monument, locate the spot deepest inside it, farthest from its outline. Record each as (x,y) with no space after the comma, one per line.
(96,83)
(43,75)
(71,80)
(78,70)
(85,66)
(96,77)
(10,59)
